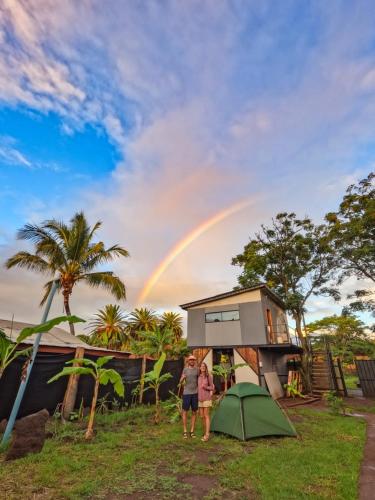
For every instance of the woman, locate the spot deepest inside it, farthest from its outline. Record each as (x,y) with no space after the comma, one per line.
(205,390)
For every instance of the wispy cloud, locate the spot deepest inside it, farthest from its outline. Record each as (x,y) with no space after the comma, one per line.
(10,155)
(208,102)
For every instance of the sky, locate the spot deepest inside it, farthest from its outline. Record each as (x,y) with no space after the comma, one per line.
(182,126)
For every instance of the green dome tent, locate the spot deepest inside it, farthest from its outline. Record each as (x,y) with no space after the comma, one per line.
(248,411)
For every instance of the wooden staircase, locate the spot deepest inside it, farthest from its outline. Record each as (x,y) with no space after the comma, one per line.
(321,377)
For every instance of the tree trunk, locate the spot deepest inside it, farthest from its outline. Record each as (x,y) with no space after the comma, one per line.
(157,405)
(90,428)
(306,365)
(225,383)
(142,384)
(72,387)
(67,310)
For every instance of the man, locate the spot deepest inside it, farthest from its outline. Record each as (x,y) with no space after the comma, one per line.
(190,395)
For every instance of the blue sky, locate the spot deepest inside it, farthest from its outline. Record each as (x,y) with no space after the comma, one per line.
(155,116)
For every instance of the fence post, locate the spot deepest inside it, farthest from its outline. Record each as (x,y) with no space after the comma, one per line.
(72,387)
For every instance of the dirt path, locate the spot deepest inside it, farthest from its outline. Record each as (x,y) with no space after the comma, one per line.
(367,474)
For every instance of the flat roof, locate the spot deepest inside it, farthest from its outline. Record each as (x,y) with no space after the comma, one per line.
(231,293)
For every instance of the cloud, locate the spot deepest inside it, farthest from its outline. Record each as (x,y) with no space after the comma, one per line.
(11,155)
(208,103)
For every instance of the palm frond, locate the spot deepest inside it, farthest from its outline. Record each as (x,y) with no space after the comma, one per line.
(33,233)
(108,281)
(29,261)
(97,255)
(59,229)
(95,227)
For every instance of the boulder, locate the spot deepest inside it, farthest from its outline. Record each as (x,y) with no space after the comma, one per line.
(28,435)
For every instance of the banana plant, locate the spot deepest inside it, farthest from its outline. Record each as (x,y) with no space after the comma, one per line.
(153,380)
(9,351)
(224,372)
(101,376)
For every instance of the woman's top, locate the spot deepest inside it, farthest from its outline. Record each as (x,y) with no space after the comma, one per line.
(205,388)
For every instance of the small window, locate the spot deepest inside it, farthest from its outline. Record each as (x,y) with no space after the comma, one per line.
(222,316)
(212,317)
(230,315)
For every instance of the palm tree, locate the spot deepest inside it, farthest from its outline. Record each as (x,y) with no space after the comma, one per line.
(142,320)
(172,321)
(69,255)
(108,328)
(154,342)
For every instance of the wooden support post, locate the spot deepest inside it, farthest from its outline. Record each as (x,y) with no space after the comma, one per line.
(72,387)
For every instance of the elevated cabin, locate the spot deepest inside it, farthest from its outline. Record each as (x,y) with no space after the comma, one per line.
(242,326)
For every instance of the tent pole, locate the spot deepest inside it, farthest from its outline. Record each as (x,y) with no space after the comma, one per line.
(23,384)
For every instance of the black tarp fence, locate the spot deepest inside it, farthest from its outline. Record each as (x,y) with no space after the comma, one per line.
(366,375)
(39,394)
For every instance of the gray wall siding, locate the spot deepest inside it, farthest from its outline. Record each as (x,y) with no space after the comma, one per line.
(249,330)
(196,334)
(252,323)
(226,333)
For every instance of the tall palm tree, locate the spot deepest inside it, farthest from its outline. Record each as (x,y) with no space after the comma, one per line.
(172,321)
(68,254)
(108,328)
(142,320)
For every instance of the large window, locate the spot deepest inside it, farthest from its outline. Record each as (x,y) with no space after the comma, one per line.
(222,316)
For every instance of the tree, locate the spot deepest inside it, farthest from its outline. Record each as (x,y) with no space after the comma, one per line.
(109,328)
(69,255)
(142,320)
(346,335)
(101,376)
(153,380)
(153,342)
(352,232)
(172,321)
(294,258)
(9,351)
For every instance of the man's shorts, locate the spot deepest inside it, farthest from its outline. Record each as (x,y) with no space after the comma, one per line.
(190,401)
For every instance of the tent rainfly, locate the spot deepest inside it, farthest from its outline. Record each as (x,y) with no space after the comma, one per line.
(248,411)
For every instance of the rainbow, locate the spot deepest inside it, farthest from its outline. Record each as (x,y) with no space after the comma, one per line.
(180,246)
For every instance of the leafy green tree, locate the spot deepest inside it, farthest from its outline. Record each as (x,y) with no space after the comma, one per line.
(352,232)
(154,379)
(142,320)
(69,255)
(346,335)
(101,376)
(172,321)
(294,258)
(9,351)
(109,328)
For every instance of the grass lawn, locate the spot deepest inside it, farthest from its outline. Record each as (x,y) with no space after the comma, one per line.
(132,458)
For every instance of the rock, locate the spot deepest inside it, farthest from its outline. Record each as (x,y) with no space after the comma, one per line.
(28,435)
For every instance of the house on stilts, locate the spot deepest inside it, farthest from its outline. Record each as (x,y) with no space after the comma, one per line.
(247,326)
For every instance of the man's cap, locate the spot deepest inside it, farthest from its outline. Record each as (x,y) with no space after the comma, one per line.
(192,357)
